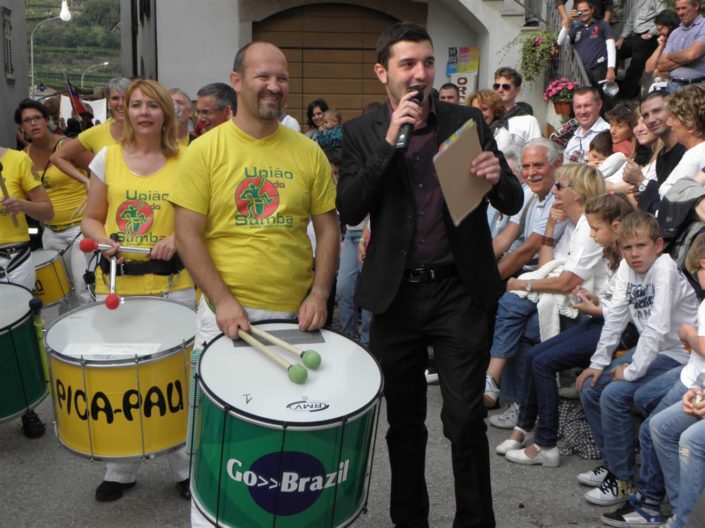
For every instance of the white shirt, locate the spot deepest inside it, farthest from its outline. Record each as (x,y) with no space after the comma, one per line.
(694,372)
(576,150)
(657,302)
(689,166)
(523,128)
(290,122)
(582,255)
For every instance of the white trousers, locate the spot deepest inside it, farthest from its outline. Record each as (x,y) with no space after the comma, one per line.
(24,274)
(75,260)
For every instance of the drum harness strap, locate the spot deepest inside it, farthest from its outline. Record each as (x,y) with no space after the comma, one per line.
(17,254)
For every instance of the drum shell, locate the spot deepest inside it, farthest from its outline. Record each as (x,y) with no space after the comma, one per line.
(249,471)
(119,407)
(22,382)
(52,283)
(106,395)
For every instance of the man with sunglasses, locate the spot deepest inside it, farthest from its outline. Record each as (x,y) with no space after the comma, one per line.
(518,118)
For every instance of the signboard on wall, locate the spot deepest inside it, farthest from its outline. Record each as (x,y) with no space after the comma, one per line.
(462,68)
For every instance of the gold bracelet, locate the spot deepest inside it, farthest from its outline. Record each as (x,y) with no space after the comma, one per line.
(548,241)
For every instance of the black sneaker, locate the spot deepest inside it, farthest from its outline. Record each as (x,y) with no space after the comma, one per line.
(633,513)
(32,426)
(184,489)
(110,491)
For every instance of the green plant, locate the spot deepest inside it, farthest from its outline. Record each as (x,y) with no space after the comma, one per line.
(538,49)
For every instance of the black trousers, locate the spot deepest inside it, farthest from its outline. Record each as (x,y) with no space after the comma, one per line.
(440,314)
(639,50)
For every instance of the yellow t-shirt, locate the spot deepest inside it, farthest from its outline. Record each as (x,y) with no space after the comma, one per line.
(66,194)
(97,137)
(140,213)
(17,171)
(258,196)
(185,141)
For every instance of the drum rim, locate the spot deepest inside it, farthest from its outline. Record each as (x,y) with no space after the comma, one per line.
(73,360)
(281,424)
(23,317)
(45,263)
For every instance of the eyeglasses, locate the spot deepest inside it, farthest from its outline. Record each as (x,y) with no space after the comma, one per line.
(32,119)
(208,111)
(504,86)
(560,186)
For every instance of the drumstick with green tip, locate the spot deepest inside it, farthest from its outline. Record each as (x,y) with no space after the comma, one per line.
(311,358)
(297,373)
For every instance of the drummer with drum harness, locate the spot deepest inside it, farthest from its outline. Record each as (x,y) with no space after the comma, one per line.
(128,196)
(244,195)
(68,196)
(21,195)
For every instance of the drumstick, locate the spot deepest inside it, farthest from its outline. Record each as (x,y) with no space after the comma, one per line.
(297,373)
(112,301)
(311,358)
(87,245)
(6,195)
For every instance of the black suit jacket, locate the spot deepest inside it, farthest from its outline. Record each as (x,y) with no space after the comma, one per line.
(374,179)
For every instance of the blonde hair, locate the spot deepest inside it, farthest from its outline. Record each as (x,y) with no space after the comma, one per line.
(585,181)
(491,99)
(639,223)
(687,104)
(695,254)
(154,90)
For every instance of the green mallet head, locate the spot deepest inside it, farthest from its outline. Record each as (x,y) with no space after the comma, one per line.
(297,373)
(311,359)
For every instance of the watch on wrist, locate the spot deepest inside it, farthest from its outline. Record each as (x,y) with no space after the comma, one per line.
(529,286)
(643,185)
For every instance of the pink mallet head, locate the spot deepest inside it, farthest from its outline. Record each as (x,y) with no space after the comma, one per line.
(87,245)
(112,301)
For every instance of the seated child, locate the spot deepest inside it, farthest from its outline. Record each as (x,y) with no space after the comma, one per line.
(331,137)
(622,120)
(600,156)
(674,422)
(652,293)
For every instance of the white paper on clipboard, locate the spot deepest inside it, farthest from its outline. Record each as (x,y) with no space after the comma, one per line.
(462,192)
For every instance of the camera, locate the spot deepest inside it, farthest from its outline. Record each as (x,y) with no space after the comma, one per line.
(698,401)
(580,13)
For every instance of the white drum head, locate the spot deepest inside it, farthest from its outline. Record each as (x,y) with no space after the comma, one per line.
(151,325)
(348,379)
(14,303)
(43,256)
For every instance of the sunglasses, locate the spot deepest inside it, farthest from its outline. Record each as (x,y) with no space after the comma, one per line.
(560,186)
(504,86)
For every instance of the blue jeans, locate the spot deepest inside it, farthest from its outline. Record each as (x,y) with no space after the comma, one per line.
(649,396)
(679,441)
(651,483)
(608,408)
(348,271)
(571,348)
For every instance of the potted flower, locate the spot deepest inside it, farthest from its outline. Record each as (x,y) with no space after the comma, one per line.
(538,49)
(560,92)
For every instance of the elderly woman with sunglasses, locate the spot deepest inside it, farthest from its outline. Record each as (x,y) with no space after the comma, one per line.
(568,258)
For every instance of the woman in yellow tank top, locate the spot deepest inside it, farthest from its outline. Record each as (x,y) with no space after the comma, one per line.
(68,197)
(128,195)
(76,154)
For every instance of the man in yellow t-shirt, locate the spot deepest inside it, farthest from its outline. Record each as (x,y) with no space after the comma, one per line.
(244,194)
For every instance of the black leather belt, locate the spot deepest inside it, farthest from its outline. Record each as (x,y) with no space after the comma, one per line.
(156,267)
(8,251)
(688,81)
(423,274)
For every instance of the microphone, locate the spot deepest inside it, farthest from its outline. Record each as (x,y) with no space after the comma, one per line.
(406,129)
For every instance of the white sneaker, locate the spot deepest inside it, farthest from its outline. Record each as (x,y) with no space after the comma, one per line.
(594,477)
(612,491)
(491,392)
(508,418)
(669,523)
(549,457)
(510,444)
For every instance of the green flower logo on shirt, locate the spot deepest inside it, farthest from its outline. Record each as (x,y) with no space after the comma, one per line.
(256,198)
(134,217)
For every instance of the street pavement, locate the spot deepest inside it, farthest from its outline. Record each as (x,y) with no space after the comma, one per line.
(44,485)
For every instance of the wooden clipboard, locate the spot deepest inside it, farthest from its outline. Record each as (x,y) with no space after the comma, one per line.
(462,192)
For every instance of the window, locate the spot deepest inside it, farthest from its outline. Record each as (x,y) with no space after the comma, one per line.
(7,43)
